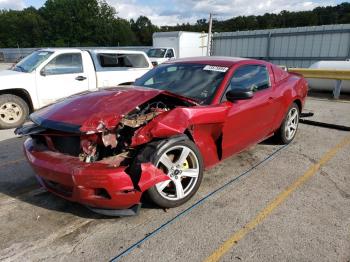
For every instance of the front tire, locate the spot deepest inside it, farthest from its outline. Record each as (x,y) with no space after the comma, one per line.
(183,163)
(13,111)
(289,126)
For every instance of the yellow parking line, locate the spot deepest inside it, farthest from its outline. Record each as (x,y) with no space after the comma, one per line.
(229,243)
(12,162)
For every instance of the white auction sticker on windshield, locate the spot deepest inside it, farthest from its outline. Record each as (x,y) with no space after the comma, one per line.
(43,53)
(215,68)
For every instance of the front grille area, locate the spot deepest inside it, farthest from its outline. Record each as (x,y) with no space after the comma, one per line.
(69,145)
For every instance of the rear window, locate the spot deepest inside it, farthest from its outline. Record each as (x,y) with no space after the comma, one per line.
(122,60)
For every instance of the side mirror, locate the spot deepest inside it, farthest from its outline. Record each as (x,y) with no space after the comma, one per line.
(43,72)
(234,95)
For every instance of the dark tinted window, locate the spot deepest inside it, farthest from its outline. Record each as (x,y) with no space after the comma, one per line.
(170,53)
(250,77)
(122,60)
(65,64)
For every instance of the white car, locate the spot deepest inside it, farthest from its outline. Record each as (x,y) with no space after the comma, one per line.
(47,75)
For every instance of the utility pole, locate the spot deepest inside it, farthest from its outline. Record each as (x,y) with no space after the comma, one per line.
(209,34)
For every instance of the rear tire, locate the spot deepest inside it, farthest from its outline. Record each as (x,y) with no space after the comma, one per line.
(13,111)
(289,126)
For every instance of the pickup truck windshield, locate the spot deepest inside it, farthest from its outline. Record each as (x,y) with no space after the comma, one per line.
(29,63)
(156,52)
(195,81)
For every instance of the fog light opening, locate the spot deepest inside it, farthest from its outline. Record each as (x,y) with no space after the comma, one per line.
(101,192)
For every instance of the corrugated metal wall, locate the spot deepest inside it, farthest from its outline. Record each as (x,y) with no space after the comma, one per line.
(293,47)
(11,55)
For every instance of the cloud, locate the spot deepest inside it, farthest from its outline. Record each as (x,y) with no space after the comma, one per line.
(133,9)
(172,12)
(12,4)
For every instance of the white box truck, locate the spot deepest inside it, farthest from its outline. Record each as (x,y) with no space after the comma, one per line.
(178,44)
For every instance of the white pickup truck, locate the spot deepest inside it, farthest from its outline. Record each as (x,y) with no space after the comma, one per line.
(47,75)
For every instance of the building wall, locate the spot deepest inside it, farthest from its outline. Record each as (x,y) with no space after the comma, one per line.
(293,47)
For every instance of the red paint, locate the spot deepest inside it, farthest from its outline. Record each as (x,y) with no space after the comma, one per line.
(150,176)
(81,179)
(219,130)
(106,107)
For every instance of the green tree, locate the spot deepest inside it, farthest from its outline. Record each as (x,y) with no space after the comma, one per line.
(143,29)
(21,28)
(95,23)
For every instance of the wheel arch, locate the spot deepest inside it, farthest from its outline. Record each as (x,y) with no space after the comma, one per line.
(22,93)
(299,104)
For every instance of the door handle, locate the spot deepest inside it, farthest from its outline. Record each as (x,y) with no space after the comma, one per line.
(80,78)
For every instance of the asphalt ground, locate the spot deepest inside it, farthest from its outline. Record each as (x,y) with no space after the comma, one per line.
(268,203)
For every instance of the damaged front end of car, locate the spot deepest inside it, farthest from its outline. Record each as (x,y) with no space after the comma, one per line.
(90,162)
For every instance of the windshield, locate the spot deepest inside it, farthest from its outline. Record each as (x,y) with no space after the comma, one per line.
(29,63)
(196,81)
(156,52)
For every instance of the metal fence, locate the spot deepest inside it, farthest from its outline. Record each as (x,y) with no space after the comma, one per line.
(293,47)
(10,55)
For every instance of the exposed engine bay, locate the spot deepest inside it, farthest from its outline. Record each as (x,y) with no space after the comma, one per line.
(112,147)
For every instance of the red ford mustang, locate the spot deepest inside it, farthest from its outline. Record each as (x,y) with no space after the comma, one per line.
(104,149)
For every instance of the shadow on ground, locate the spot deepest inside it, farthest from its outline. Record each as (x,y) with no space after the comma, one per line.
(17,180)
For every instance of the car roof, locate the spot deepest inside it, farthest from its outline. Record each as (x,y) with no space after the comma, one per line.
(214,60)
(67,49)
(118,51)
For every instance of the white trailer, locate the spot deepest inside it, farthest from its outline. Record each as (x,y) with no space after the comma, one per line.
(178,44)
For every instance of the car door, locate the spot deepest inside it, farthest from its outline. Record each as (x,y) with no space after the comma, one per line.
(249,121)
(63,76)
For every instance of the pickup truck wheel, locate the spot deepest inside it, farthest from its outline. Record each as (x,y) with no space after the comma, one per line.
(13,111)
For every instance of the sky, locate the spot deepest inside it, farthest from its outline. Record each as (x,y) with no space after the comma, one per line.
(172,12)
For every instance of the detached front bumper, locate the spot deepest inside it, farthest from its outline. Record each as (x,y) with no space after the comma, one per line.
(96,185)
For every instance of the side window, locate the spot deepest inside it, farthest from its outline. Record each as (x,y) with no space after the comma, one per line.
(250,77)
(65,64)
(169,53)
(122,60)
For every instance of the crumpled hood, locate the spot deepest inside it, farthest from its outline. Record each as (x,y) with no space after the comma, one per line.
(92,110)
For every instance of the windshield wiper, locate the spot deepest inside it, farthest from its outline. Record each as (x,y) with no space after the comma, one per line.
(20,68)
